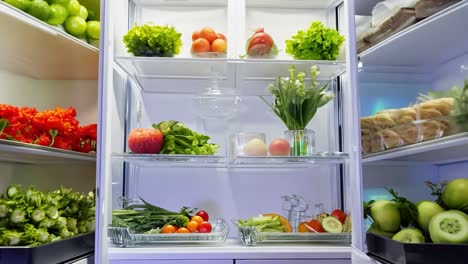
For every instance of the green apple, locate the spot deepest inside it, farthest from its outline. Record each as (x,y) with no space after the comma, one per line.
(75,25)
(39,9)
(455,194)
(386,215)
(426,210)
(73,8)
(58,14)
(409,235)
(93,29)
(83,12)
(20,4)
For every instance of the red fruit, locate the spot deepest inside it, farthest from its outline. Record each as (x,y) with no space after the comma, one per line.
(260,38)
(208,34)
(203,215)
(316,225)
(279,147)
(201,45)
(145,140)
(340,215)
(204,227)
(259,50)
(260,30)
(220,36)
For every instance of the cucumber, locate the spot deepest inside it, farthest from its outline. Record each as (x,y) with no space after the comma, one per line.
(449,227)
(409,235)
(321,216)
(332,225)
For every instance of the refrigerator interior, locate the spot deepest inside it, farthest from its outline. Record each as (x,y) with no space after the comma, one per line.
(22,91)
(162,90)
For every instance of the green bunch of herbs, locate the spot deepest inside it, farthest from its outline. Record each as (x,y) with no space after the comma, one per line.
(294,101)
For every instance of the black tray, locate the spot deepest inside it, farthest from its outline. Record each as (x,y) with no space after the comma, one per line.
(61,251)
(389,251)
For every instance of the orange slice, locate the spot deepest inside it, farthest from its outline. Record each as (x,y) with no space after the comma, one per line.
(284,222)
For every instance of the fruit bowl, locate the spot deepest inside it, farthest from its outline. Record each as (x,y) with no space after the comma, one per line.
(209,54)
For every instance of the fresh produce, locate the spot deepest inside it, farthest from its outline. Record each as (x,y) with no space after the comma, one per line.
(332,225)
(455,194)
(426,210)
(338,214)
(449,227)
(62,12)
(375,230)
(261,44)
(39,9)
(192,226)
(409,235)
(31,217)
(267,223)
(182,230)
(316,43)
(279,147)
(141,216)
(56,128)
(386,215)
(145,140)
(153,40)
(204,215)
(255,147)
(75,25)
(179,139)
(316,226)
(168,229)
(197,219)
(93,29)
(20,4)
(204,227)
(208,40)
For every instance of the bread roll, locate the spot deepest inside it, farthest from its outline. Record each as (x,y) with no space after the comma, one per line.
(391,139)
(409,134)
(368,123)
(429,113)
(443,105)
(430,130)
(384,120)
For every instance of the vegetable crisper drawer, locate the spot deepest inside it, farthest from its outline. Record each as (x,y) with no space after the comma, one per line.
(62,251)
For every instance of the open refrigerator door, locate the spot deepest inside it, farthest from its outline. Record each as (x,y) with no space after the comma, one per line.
(413,92)
(212,115)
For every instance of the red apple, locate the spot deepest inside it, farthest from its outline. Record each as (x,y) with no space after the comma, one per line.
(145,140)
(279,147)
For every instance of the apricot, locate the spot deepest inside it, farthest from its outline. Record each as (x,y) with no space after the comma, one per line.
(208,34)
(218,45)
(201,45)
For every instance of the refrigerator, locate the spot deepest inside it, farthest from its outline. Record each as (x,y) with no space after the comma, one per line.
(392,73)
(43,67)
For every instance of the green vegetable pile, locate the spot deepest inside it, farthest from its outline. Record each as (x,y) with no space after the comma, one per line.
(143,217)
(178,139)
(153,40)
(264,223)
(32,217)
(316,43)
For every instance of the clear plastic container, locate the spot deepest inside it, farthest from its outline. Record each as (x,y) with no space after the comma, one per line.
(248,145)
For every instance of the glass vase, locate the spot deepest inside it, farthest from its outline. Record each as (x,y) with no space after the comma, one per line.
(302,142)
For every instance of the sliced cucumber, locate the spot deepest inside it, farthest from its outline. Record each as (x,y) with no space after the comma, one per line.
(409,235)
(332,225)
(449,227)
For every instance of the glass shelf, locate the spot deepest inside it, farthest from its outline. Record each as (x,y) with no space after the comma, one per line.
(164,160)
(323,158)
(189,75)
(56,55)
(18,152)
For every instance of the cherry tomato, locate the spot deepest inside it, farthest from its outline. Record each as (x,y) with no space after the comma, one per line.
(197,218)
(182,230)
(316,225)
(192,226)
(204,227)
(168,229)
(203,215)
(338,214)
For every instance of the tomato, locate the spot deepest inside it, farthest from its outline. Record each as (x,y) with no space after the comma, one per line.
(279,147)
(182,230)
(316,225)
(204,227)
(260,38)
(168,229)
(203,215)
(197,219)
(192,226)
(338,214)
